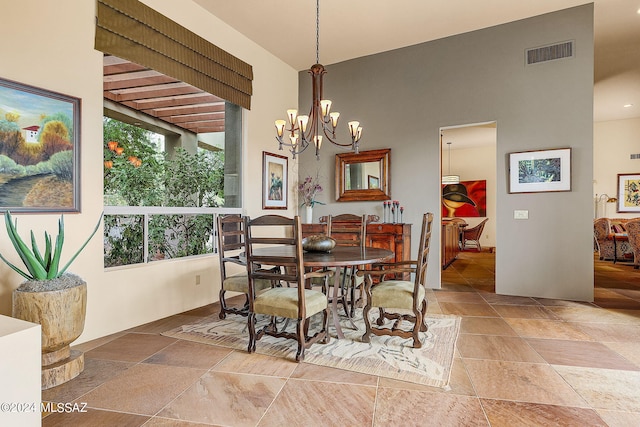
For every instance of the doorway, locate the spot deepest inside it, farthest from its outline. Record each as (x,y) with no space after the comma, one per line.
(469,181)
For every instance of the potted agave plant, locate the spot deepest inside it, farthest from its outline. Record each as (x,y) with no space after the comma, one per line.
(52,297)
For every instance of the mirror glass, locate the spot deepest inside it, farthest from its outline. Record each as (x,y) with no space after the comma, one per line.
(363,176)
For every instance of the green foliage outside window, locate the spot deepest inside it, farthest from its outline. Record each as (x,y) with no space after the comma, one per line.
(135,174)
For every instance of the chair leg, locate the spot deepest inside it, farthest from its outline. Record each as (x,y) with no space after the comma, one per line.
(365,315)
(223,305)
(325,326)
(252,332)
(423,326)
(416,329)
(300,327)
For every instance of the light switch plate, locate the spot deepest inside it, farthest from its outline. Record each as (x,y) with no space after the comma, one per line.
(519,214)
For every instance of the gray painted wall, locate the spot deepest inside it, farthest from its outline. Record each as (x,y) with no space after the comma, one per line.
(403,97)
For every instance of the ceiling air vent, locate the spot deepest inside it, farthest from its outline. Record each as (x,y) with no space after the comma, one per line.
(635,156)
(549,53)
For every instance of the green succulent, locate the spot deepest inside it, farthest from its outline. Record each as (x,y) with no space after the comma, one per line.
(41,266)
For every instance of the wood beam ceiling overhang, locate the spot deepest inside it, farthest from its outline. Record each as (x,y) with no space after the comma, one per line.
(163,97)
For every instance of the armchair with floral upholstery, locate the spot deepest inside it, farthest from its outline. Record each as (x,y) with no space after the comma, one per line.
(605,230)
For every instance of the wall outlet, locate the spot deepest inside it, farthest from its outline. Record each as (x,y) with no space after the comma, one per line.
(197,279)
(518,214)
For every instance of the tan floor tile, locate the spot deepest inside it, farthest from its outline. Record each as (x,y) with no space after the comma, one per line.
(580,353)
(90,345)
(608,332)
(463,309)
(95,373)
(563,303)
(190,354)
(163,325)
(486,326)
(524,311)
(495,347)
(143,388)
(397,407)
(629,350)
(93,418)
(333,405)
(168,422)
(586,314)
(551,329)
(307,371)
(619,418)
(459,382)
(256,364)
(523,382)
(493,298)
(463,297)
(226,399)
(604,388)
(507,414)
(130,347)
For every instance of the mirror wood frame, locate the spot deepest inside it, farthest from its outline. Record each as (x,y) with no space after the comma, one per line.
(383,193)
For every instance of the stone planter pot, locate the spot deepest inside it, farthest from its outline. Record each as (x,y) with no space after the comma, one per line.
(59,306)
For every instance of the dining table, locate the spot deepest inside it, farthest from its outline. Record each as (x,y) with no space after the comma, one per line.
(339,257)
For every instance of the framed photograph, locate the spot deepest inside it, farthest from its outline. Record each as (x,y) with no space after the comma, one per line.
(39,150)
(274,181)
(628,192)
(374,182)
(540,171)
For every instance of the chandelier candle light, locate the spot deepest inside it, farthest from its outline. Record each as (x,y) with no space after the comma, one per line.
(321,122)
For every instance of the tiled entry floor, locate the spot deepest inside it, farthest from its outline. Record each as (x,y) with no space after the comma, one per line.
(520,362)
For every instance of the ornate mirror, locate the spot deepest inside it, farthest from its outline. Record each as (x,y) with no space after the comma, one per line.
(363,176)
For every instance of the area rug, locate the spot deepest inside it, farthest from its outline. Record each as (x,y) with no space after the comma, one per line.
(389,357)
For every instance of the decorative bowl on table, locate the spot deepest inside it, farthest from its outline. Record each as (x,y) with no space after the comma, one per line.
(318,243)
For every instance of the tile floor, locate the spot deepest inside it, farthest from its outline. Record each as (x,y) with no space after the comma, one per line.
(520,362)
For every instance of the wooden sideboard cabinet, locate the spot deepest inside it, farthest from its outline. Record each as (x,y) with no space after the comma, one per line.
(450,242)
(395,237)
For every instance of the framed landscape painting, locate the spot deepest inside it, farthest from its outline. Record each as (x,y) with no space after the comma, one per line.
(540,171)
(274,181)
(628,192)
(39,149)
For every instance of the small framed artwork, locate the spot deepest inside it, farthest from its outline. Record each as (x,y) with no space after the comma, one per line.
(274,181)
(540,171)
(628,192)
(39,150)
(374,182)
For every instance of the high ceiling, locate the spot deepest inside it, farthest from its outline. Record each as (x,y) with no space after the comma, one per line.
(355,28)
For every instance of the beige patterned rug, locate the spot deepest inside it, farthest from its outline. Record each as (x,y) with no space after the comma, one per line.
(389,357)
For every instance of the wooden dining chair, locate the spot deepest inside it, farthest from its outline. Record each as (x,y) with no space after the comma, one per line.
(274,240)
(349,230)
(230,230)
(391,295)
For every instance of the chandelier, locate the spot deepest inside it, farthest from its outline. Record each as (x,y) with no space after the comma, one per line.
(321,121)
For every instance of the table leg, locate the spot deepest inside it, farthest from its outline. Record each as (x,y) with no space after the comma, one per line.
(615,249)
(334,304)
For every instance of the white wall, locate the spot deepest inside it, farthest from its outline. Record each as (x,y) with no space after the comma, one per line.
(613,142)
(54,51)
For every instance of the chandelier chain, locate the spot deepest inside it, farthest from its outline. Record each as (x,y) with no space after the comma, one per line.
(317,31)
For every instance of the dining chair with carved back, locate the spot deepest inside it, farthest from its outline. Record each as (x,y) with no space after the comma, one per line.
(349,230)
(395,298)
(274,240)
(230,229)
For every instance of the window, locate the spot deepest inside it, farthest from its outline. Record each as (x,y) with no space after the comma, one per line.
(162,191)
